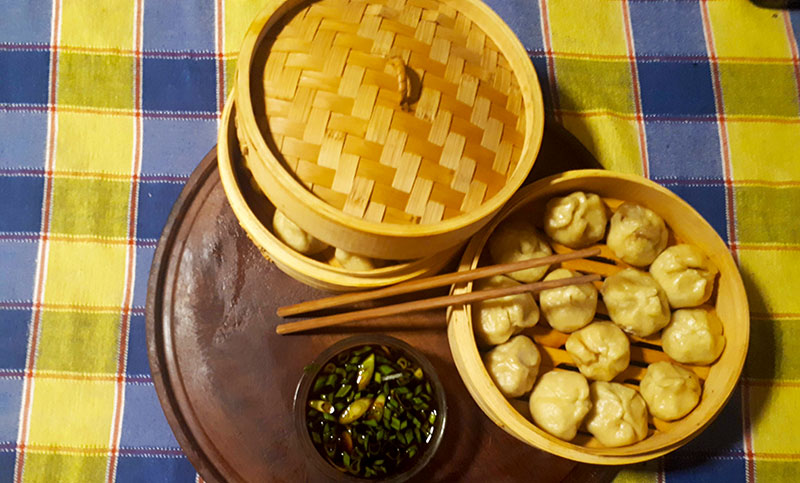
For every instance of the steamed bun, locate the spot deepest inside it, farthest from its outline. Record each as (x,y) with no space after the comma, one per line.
(693,336)
(357,263)
(559,402)
(636,234)
(570,307)
(513,365)
(618,416)
(516,239)
(294,236)
(685,274)
(576,220)
(600,350)
(496,320)
(670,391)
(636,302)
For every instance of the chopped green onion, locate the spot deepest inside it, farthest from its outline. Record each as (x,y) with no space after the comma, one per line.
(376,411)
(321,406)
(362,350)
(342,392)
(355,410)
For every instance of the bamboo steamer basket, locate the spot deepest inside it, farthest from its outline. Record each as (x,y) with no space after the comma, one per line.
(389,128)
(254,214)
(728,300)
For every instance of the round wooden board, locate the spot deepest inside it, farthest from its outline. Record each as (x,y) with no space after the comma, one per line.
(226,380)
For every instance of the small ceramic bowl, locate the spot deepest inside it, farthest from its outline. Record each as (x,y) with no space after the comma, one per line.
(309,376)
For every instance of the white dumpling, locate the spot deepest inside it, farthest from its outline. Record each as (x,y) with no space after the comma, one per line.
(636,234)
(516,239)
(498,319)
(693,336)
(686,275)
(559,402)
(294,236)
(671,391)
(354,262)
(635,302)
(600,350)
(576,220)
(570,307)
(618,416)
(513,365)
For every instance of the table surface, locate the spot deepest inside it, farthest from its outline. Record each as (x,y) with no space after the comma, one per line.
(107,107)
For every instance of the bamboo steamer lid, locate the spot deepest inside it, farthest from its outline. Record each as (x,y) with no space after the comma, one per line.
(389,128)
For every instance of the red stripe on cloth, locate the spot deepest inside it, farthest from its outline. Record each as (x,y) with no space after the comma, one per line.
(772,247)
(119,398)
(36,316)
(774,315)
(729,208)
(746,381)
(637,95)
(220,46)
(548,51)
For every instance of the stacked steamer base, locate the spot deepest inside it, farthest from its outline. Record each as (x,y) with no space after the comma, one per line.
(728,300)
(393,131)
(255,213)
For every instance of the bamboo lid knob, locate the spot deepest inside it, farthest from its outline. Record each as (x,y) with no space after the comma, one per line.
(396,64)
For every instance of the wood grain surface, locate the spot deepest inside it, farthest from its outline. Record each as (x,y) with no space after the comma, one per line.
(226,380)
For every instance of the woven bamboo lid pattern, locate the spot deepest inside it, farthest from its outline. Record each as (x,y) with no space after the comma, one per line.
(399,111)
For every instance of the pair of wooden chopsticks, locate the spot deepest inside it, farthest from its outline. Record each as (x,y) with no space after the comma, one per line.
(428,283)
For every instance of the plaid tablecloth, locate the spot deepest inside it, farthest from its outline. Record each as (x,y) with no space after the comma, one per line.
(107,106)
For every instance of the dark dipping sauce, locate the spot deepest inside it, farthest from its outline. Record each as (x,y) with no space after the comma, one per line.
(371,411)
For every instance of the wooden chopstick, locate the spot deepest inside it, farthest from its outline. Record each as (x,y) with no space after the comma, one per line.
(430,282)
(426,304)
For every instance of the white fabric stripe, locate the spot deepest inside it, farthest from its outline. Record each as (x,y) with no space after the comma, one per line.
(29,384)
